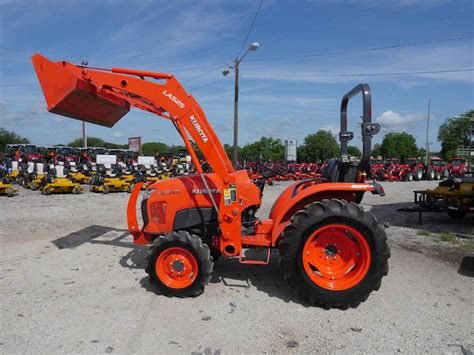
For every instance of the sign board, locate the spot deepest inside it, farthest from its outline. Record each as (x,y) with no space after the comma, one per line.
(290,150)
(146,160)
(106,159)
(135,144)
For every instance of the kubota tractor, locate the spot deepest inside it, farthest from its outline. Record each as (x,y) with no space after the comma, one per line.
(332,252)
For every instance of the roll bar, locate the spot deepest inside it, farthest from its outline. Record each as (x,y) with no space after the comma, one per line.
(368,129)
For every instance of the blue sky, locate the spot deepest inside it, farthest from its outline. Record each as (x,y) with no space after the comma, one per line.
(196,40)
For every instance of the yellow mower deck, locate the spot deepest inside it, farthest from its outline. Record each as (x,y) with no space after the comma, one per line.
(112,185)
(8,189)
(36,183)
(80,178)
(13,175)
(61,185)
(152,179)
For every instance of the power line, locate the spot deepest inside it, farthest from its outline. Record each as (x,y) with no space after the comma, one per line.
(208,84)
(350,51)
(361,74)
(250,28)
(202,74)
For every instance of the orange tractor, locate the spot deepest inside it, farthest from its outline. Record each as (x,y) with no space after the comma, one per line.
(332,252)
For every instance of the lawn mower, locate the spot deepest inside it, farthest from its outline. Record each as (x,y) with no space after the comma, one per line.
(107,179)
(456,195)
(6,188)
(14,171)
(55,181)
(332,252)
(79,175)
(37,176)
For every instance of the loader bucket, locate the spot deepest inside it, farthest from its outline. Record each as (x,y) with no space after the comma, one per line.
(68,94)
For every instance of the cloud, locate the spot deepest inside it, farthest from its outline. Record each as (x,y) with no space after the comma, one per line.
(117,134)
(390,120)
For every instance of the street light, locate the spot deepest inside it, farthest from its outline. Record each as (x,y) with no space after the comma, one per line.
(253,47)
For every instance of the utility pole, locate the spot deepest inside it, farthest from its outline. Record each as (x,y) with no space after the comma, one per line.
(427,133)
(253,47)
(236,113)
(471,128)
(84,134)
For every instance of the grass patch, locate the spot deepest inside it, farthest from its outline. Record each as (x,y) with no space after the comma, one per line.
(448,237)
(423,232)
(468,246)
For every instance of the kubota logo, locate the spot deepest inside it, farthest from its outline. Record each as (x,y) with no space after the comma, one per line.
(198,128)
(174,99)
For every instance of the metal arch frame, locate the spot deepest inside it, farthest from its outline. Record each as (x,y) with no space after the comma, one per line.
(368,129)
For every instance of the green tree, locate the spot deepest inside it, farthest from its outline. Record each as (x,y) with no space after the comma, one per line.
(399,145)
(8,137)
(319,146)
(155,148)
(454,132)
(97,142)
(376,150)
(267,148)
(353,151)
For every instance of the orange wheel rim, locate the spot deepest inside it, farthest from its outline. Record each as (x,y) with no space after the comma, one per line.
(176,267)
(336,257)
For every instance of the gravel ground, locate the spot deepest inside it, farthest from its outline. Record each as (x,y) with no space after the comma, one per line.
(71,281)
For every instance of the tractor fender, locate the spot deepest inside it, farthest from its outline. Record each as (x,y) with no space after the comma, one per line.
(132,221)
(297,196)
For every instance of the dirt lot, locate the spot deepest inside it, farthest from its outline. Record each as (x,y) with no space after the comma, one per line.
(71,281)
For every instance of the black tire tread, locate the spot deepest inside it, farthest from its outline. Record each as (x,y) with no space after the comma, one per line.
(201,252)
(315,213)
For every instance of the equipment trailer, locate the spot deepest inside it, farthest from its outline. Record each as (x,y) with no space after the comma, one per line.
(332,252)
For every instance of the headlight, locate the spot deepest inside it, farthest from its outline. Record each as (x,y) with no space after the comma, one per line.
(148,193)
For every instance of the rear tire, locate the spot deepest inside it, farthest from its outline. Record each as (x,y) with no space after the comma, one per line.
(418,175)
(361,245)
(10,192)
(47,191)
(438,175)
(106,189)
(408,177)
(192,258)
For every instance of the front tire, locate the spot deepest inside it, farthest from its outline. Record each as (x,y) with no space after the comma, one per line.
(430,174)
(418,176)
(179,264)
(334,254)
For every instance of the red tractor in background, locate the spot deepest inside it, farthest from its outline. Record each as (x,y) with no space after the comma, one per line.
(332,252)
(436,169)
(457,167)
(416,168)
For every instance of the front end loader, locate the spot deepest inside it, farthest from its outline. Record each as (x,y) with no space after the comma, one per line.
(332,252)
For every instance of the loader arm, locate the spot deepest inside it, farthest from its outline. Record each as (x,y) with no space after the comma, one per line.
(103,96)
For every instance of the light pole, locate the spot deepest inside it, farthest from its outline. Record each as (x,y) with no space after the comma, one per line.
(84,134)
(427,133)
(253,47)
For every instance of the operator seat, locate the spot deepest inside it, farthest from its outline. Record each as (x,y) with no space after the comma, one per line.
(331,174)
(59,170)
(338,171)
(40,168)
